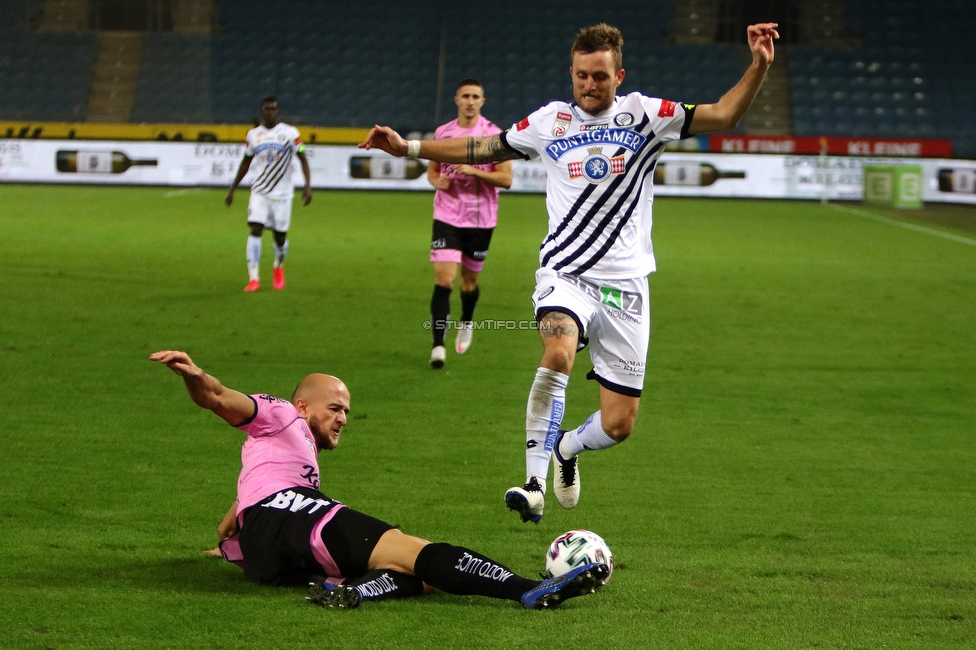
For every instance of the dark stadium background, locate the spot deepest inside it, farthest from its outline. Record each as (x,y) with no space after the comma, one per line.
(865,68)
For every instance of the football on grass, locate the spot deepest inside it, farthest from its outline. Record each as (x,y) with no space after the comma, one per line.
(576,548)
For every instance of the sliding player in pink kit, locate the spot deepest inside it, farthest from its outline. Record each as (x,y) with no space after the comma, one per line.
(288,532)
(465,214)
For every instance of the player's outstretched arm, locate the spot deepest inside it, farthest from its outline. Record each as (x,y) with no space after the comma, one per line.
(501,177)
(726,112)
(233,406)
(449,150)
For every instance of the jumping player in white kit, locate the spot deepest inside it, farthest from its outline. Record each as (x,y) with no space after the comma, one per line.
(599,153)
(287,532)
(465,214)
(271,146)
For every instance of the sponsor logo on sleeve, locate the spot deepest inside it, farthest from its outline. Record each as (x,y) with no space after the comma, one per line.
(561,125)
(523,124)
(667,108)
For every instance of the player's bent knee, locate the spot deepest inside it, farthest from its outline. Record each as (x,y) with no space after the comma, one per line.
(618,433)
(397,551)
(558,359)
(618,426)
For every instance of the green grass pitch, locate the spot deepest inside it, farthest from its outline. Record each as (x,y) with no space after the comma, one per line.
(802,473)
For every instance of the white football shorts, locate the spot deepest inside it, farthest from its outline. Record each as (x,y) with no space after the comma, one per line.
(271,212)
(615,315)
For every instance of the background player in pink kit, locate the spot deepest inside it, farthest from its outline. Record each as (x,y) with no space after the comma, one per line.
(272,144)
(465,213)
(291,533)
(599,152)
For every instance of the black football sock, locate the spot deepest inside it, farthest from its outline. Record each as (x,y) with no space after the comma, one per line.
(468,301)
(463,572)
(440,312)
(383,584)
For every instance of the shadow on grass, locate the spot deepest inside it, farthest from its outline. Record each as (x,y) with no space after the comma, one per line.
(203,575)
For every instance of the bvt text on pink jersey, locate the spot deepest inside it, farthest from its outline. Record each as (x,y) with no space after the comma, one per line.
(288,500)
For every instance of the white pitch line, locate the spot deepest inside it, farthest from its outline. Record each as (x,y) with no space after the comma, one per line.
(902,224)
(174,193)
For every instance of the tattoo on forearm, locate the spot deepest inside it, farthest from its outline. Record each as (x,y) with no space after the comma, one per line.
(491,149)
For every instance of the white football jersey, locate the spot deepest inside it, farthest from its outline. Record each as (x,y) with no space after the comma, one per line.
(599,180)
(274,152)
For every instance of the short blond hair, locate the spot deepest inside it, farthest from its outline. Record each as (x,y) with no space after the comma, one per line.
(600,38)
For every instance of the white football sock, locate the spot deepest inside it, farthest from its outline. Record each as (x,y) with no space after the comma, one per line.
(543,415)
(253,256)
(280,252)
(588,437)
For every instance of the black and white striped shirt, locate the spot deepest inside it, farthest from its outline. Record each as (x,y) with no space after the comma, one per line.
(599,180)
(274,152)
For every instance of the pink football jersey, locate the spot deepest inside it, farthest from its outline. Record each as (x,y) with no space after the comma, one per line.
(468,202)
(279,452)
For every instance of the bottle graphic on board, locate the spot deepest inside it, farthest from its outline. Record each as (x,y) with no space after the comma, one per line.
(957,180)
(690,173)
(387,168)
(98,162)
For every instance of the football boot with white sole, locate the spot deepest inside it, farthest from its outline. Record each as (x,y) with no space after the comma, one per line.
(529,501)
(437,357)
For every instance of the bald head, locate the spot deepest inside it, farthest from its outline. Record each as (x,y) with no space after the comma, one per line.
(318,386)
